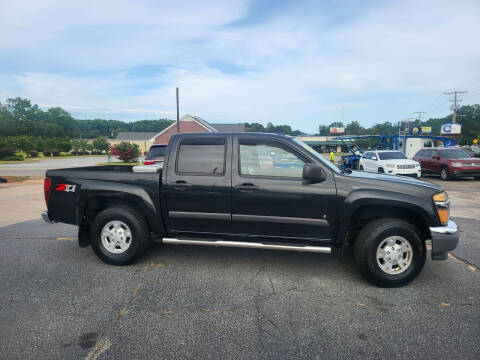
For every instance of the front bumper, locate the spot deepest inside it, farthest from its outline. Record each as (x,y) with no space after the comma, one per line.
(465,172)
(415,173)
(46,217)
(444,239)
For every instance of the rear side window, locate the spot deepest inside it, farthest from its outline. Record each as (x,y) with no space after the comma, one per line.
(204,156)
(428,153)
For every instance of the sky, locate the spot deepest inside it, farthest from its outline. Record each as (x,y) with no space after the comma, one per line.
(302,63)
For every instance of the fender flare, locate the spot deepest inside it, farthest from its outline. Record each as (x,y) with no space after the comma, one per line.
(118,192)
(382,198)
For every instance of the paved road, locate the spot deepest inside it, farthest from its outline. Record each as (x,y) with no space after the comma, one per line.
(38,168)
(59,301)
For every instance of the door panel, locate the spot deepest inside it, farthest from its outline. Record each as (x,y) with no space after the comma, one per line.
(198,186)
(269,197)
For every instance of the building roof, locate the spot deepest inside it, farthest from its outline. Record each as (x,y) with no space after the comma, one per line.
(135,136)
(150,136)
(229,127)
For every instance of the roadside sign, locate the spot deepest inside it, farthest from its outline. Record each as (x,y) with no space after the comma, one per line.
(337,130)
(451,129)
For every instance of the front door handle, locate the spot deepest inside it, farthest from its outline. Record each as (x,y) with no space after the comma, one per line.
(247,186)
(180,185)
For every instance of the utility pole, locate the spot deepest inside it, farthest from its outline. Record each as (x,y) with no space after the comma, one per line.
(178,116)
(419,116)
(455,100)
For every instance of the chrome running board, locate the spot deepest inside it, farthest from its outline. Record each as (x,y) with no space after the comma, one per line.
(252,245)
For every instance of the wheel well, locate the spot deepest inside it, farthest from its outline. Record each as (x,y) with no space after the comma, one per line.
(364,215)
(97,204)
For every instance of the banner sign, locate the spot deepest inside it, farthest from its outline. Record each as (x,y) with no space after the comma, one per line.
(337,130)
(426,129)
(451,129)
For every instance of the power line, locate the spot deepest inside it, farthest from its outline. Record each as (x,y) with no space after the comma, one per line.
(419,116)
(455,100)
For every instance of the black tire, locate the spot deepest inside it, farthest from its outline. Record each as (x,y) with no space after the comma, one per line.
(476,177)
(370,238)
(356,165)
(361,167)
(140,235)
(445,173)
(381,171)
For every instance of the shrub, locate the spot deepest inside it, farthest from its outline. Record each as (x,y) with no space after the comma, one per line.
(56,153)
(33,154)
(47,153)
(13,158)
(6,151)
(125,151)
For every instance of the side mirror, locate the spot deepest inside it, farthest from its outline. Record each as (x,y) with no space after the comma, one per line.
(313,173)
(374,158)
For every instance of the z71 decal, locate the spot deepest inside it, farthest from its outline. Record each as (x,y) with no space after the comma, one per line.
(66,187)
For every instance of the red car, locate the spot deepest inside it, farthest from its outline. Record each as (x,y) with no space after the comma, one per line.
(448,162)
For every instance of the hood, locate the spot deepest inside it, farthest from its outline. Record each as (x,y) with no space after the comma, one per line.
(393,179)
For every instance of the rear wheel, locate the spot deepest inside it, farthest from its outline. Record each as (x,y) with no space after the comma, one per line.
(381,171)
(445,173)
(389,252)
(119,235)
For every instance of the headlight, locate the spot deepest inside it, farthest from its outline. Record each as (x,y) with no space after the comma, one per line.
(391,165)
(442,204)
(456,164)
(417,165)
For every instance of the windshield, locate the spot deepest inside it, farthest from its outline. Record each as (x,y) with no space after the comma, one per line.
(454,154)
(317,155)
(156,151)
(391,155)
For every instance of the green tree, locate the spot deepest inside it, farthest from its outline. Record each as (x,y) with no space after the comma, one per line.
(101,144)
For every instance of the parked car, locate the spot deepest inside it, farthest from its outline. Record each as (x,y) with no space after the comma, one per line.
(448,163)
(389,162)
(156,154)
(473,151)
(254,190)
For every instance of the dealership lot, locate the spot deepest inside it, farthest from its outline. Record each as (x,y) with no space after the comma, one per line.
(60,301)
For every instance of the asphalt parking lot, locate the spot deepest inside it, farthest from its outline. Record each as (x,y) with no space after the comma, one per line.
(60,301)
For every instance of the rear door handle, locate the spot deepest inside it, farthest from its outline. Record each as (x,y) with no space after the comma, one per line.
(247,186)
(180,185)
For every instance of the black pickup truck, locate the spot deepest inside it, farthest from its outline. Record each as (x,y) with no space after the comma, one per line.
(255,191)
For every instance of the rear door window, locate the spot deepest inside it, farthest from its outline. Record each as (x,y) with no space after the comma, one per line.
(201,156)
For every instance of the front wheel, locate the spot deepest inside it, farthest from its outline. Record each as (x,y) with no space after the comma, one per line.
(445,174)
(381,171)
(119,235)
(389,252)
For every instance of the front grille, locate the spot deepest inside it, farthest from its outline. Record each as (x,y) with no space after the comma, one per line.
(405,167)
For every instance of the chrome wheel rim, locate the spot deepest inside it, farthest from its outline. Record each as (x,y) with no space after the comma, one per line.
(116,237)
(394,255)
(444,174)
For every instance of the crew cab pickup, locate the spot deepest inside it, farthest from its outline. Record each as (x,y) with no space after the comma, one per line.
(255,190)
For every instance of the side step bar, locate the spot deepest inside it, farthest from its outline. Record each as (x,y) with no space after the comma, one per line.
(252,245)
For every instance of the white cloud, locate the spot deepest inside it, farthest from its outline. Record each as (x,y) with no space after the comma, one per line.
(298,67)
